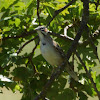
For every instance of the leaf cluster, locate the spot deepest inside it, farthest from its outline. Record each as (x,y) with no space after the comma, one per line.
(29,71)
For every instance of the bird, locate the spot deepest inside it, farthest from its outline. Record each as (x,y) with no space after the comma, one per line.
(51,51)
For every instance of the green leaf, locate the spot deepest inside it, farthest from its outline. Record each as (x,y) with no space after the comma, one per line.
(17,22)
(67,94)
(82,96)
(98,82)
(22,73)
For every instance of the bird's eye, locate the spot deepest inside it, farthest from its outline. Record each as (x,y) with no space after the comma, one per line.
(42,29)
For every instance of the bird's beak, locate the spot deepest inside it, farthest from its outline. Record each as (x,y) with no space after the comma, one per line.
(36,29)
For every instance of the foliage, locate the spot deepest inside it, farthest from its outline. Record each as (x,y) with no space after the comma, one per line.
(29,71)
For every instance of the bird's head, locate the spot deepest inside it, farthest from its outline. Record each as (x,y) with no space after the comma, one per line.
(42,31)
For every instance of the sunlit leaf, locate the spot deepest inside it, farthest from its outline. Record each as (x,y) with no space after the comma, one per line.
(17,22)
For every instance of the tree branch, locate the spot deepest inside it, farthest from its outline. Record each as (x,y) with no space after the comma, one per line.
(24,34)
(31,55)
(54,75)
(59,11)
(89,75)
(33,66)
(83,25)
(38,1)
(93,46)
(75,42)
(67,38)
(94,36)
(20,49)
(34,48)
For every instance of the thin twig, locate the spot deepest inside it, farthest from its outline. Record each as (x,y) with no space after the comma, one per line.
(31,55)
(66,29)
(93,46)
(38,2)
(59,11)
(24,34)
(89,75)
(33,66)
(20,49)
(34,48)
(67,38)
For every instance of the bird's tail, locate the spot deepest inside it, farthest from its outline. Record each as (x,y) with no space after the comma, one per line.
(72,73)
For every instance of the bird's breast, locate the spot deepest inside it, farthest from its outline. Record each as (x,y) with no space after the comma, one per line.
(50,54)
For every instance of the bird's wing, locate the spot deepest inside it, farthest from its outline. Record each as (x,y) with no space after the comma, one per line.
(58,48)
(68,66)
